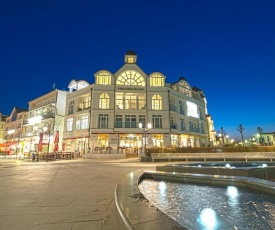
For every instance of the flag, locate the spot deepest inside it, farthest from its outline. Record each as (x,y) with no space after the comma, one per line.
(56,141)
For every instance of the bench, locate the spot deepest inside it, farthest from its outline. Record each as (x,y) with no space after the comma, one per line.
(64,155)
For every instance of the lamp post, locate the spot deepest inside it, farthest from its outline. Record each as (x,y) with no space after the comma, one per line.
(144,130)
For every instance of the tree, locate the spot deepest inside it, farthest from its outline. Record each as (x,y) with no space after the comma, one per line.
(49,128)
(221,133)
(241,129)
(260,131)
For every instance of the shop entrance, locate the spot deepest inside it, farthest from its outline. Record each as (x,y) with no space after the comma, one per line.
(130,144)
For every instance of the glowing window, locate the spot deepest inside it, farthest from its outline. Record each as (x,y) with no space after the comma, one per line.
(104,101)
(156,80)
(130,60)
(84,122)
(103,79)
(130,77)
(156,102)
(103,140)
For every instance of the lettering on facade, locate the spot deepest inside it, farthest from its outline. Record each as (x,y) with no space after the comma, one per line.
(130,88)
(113,140)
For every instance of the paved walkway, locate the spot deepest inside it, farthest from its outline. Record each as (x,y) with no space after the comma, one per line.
(64,195)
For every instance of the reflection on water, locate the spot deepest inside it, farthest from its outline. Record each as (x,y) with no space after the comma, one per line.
(211,208)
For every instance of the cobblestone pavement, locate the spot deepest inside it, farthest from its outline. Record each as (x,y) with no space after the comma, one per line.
(64,195)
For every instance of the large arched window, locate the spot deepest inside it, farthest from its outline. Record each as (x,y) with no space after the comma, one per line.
(130,77)
(156,102)
(103,78)
(156,80)
(104,101)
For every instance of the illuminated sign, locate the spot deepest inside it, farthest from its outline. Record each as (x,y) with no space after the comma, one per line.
(35,120)
(192,109)
(129,88)
(11,131)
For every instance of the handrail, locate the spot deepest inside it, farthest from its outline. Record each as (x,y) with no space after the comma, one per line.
(225,156)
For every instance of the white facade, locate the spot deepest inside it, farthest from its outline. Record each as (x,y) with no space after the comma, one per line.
(106,115)
(45,116)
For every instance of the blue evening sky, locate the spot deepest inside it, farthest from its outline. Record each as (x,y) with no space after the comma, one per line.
(225,48)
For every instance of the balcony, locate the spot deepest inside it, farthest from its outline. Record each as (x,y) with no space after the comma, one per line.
(173,126)
(173,108)
(79,109)
(194,130)
(47,116)
(126,124)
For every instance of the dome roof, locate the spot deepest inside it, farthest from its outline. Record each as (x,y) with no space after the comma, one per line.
(130,52)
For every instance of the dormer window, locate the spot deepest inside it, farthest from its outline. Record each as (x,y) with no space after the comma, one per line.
(103,78)
(130,60)
(156,80)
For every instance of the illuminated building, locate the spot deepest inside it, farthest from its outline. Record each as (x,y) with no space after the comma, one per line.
(107,114)
(48,111)
(14,122)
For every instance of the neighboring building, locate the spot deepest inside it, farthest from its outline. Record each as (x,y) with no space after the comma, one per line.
(267,139)
(78,112)
(14,122)
(42,121)
(2,132)
(108,112)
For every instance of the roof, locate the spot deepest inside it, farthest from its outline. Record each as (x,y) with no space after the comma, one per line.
(130,52)
(20,110)
(196,89)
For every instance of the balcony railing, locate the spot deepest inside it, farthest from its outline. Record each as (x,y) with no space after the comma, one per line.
(49,115)
(195,130)
(126,124)
(79,109)
(173,126)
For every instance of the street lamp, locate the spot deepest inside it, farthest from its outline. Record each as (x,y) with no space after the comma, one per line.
(144,130)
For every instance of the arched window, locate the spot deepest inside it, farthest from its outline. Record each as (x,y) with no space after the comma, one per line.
(130,77)
(103,78)
(156,80)
(156,102)
(104,101)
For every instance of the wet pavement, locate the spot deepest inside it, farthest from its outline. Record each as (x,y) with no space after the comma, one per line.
(70,194)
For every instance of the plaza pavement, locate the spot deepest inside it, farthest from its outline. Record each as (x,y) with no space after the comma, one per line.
(63,195)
